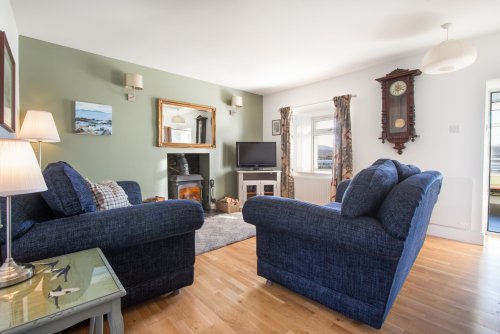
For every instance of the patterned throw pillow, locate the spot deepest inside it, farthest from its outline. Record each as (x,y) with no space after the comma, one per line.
(108,195)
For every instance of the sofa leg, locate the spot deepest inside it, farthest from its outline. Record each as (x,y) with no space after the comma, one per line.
(175,292)
(269,283)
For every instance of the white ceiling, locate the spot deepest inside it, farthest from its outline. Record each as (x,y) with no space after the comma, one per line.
(261,46)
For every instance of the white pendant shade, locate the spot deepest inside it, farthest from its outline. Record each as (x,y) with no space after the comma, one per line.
(39,125)
(448,56)
(19,169)
(178,119)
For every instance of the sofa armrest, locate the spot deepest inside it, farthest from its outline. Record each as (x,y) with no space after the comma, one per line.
(112,229)
(133,191)
(322,224)
(341,188)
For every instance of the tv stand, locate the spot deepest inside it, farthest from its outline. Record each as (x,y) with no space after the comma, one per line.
(258,182)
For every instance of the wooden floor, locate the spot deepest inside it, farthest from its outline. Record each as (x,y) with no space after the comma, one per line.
(452,288)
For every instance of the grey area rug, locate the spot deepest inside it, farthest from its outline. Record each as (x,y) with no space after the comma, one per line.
(221,230)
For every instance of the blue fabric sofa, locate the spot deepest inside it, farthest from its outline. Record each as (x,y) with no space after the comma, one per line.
(150,246)
(352,255)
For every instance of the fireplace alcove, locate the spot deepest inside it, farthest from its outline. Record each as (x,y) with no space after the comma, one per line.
(194,186)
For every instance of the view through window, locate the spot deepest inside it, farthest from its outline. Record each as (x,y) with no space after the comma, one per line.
(494,207)
(322,131)
(313,141)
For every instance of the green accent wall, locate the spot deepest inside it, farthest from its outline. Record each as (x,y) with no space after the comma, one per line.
(53,77)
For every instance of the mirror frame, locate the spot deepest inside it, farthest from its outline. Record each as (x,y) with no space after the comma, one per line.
(162,102)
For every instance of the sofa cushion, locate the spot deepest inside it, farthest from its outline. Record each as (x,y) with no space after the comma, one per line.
(404,170)
(108,195)
(18,229)
(68,194)
(368,189)
(398,209)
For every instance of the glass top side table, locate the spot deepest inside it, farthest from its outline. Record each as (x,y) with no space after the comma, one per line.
(64,291)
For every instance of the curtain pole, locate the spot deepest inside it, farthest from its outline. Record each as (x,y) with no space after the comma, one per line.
(311,104)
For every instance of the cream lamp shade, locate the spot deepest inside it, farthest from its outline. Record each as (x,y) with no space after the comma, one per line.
(39,126)
(236,104)
(448,56)
(237,101)
(133,81)
(19,169)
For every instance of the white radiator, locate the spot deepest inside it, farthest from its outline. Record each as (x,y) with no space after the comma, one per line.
(312,188)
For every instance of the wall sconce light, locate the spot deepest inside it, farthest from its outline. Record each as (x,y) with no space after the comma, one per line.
(236,105)
(133,81)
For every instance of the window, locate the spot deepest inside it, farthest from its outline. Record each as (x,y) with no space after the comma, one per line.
(322,134)
(312,150)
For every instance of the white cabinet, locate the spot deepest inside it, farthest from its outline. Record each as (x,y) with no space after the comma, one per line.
(254,183)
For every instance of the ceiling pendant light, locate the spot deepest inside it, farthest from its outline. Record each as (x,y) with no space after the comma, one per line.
(448,56)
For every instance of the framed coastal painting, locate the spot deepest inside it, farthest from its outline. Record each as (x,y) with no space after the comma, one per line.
(93,119)
(7,86)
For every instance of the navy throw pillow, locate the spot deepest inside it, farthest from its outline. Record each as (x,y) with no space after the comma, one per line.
(404,171)
(368,189)
(398,209)
(18,229)
(68,193)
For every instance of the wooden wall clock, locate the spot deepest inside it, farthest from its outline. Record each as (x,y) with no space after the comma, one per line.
(398,108)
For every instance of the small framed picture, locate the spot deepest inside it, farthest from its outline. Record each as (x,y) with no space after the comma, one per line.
(7,86)
(276,127)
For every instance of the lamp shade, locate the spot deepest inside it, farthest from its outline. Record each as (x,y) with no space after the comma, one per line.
(133,81)
(237,101)
(178,119)
(39,125)
(19,169)
(448,56)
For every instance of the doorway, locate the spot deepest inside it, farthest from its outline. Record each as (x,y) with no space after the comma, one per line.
(494,181)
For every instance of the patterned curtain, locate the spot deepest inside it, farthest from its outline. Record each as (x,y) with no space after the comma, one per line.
(342,143)
(287,187)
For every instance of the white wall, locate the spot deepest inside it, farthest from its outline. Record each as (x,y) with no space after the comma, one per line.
(440,101)
(8,25)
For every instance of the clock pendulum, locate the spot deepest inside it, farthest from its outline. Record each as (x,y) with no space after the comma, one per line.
(400,122)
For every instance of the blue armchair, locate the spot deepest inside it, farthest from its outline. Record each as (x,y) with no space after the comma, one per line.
(151,246)
(352,255)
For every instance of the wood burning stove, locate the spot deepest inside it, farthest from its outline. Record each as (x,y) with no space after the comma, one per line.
(185,187)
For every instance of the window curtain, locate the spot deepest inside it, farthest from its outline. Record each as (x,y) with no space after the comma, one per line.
(287,185)
(342,145)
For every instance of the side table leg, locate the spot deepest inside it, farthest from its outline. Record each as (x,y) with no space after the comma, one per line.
(92,325)
(99,324)
(115,318)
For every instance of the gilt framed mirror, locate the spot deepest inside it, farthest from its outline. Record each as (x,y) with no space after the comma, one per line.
(182,124)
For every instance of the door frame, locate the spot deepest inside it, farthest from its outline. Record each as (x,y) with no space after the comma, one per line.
(491,87)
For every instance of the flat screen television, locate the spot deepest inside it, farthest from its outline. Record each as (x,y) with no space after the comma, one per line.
(255,154)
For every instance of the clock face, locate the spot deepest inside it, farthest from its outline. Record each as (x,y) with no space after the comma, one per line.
(397,88)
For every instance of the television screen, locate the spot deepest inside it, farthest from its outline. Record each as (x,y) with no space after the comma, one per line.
(255,154)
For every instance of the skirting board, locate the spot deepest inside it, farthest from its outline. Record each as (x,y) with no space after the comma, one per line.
(471,237)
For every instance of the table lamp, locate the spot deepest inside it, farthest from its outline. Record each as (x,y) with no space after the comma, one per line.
(39,126)
(19,174)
